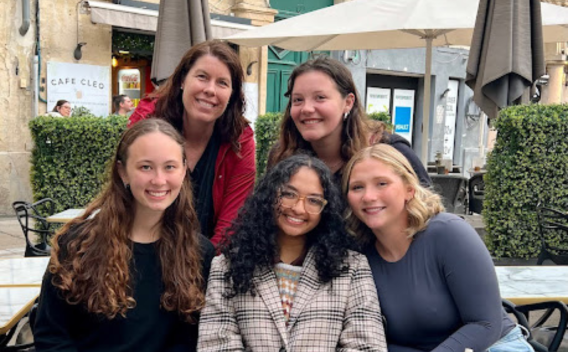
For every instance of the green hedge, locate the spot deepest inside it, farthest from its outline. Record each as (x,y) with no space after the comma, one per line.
(70,156)
(528,164)
(266,132)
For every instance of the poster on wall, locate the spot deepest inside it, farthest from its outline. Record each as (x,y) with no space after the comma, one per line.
(81,85)
(130,83)
(450,119)
(378,100)
(403,113)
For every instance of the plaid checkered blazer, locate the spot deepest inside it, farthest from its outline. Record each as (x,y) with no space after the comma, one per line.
(342,315)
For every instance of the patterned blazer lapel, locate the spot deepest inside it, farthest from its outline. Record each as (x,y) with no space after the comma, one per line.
(267,287)
(307,288)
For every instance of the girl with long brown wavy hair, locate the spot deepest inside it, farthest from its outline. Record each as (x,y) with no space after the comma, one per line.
(204,100)
(324,117)
(129,274)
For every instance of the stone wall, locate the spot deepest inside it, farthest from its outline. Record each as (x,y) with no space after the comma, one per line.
(15,103)
(61,25)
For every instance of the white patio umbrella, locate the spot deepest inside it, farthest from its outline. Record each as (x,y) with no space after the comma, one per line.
(389,24)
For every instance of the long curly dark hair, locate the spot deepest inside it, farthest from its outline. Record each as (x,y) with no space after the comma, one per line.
(91,257)
(253,244)
(170,104)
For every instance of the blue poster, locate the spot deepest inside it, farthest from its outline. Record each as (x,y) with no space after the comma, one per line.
(402,119)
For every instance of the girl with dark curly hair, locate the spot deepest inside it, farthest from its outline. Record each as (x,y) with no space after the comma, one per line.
(129,274)
(287,280)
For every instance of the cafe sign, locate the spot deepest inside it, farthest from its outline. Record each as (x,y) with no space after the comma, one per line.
(81,85)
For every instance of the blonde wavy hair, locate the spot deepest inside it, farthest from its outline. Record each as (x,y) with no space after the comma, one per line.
(421,208)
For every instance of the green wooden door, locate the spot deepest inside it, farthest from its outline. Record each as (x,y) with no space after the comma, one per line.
(281,62)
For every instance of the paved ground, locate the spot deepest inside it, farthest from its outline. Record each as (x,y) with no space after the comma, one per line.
(12,243)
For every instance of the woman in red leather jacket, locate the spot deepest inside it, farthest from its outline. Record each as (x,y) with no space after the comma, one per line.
(204,100)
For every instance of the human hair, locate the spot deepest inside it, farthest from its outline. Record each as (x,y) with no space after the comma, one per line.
(59,104)
(356,128)
(117,100)
(253,244)
(91,255)
(421,208)
(170,104)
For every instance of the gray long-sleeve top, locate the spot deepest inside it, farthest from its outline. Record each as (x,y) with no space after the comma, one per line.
(443,294)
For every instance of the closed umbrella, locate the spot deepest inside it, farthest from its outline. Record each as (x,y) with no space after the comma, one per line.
(181,24)
(388,24)
(506,54)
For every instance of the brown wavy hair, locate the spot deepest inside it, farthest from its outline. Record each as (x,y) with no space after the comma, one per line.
(170,106)
(91,255)
(357,128)
(421,208)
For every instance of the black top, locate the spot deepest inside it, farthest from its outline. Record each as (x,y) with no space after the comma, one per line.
(202,178)
(395,141)
(63,327)
(403,146)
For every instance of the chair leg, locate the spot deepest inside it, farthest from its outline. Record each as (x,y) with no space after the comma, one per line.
(541,257)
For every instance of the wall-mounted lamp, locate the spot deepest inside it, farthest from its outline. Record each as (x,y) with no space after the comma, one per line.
(249,68)
(77,54)
(445,93)
(114,61)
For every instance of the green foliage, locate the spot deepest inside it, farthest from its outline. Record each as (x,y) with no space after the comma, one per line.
(266,130)
(528,164)
(136,44)
(79,111)
(382,116)
(70,157)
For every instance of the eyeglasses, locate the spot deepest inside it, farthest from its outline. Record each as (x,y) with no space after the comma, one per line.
(313,204)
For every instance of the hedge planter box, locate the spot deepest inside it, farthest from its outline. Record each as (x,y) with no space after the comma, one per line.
(528,164)
(70,156)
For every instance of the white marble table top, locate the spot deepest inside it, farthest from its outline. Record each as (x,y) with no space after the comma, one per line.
(22,271)
(15,302)
(532,284)
(65,216)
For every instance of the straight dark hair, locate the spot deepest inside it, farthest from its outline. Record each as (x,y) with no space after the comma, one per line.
(170,104)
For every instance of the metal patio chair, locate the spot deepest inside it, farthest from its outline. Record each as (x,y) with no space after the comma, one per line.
(552,221)
(33,221)
(554,336)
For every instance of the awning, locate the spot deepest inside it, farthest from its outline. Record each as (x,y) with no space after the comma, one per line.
(147,20)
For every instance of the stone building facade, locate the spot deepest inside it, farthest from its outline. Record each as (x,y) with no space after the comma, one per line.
(47,31)
(36,32)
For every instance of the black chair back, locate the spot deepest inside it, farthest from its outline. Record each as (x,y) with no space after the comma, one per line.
(452,188)
(555,341)
(552,221)
(476,190)
(32,221)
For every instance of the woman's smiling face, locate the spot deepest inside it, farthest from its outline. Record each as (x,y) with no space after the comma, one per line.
(207,89)
(295,220)
(378,196)
(317,107)
(155,171)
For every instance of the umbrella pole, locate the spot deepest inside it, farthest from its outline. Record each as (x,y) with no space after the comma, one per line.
(426,102)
